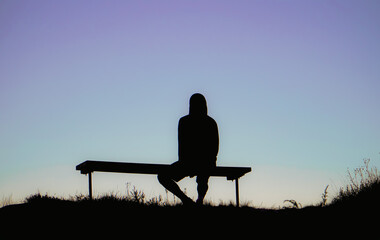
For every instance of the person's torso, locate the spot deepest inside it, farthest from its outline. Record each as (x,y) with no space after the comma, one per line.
(199,140)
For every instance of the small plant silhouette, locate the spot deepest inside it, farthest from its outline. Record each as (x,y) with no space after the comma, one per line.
(294,203)
(324,197)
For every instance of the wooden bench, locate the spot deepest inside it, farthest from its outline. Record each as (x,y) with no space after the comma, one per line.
(89,166)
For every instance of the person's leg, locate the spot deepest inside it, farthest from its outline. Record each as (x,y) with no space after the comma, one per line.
(172,186)
(168,179)
(202,188)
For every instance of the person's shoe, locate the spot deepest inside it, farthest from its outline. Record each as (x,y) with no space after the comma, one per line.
(187,202)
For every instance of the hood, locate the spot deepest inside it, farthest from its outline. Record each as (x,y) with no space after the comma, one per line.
(198,105)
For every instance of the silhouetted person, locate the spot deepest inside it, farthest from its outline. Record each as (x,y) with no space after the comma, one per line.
(198,145)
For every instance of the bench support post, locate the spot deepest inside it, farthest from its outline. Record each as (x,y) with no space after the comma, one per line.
(237,191)
(90,185)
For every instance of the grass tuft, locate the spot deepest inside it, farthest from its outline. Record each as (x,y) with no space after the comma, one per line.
(363,188)
(294,204)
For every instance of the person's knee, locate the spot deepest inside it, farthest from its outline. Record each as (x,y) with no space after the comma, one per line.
(202,180)
(162,178)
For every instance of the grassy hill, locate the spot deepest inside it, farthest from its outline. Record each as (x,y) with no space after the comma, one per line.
(357,201)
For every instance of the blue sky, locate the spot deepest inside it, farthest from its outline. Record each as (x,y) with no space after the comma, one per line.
(293,85)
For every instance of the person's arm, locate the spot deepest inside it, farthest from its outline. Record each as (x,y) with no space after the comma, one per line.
(180,139)
(215,139)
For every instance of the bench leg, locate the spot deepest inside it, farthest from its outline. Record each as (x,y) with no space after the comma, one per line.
(237,191)
(90,185)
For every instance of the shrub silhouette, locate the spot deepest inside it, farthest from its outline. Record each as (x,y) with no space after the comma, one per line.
(363,188)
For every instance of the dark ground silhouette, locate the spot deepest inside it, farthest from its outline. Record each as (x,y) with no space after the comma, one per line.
(122,217)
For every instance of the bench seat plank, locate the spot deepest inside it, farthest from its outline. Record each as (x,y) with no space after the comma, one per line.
(148,168)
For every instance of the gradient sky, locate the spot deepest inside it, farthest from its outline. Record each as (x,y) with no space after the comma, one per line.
(293,85)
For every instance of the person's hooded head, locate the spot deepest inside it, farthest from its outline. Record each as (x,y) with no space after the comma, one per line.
(198,105)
